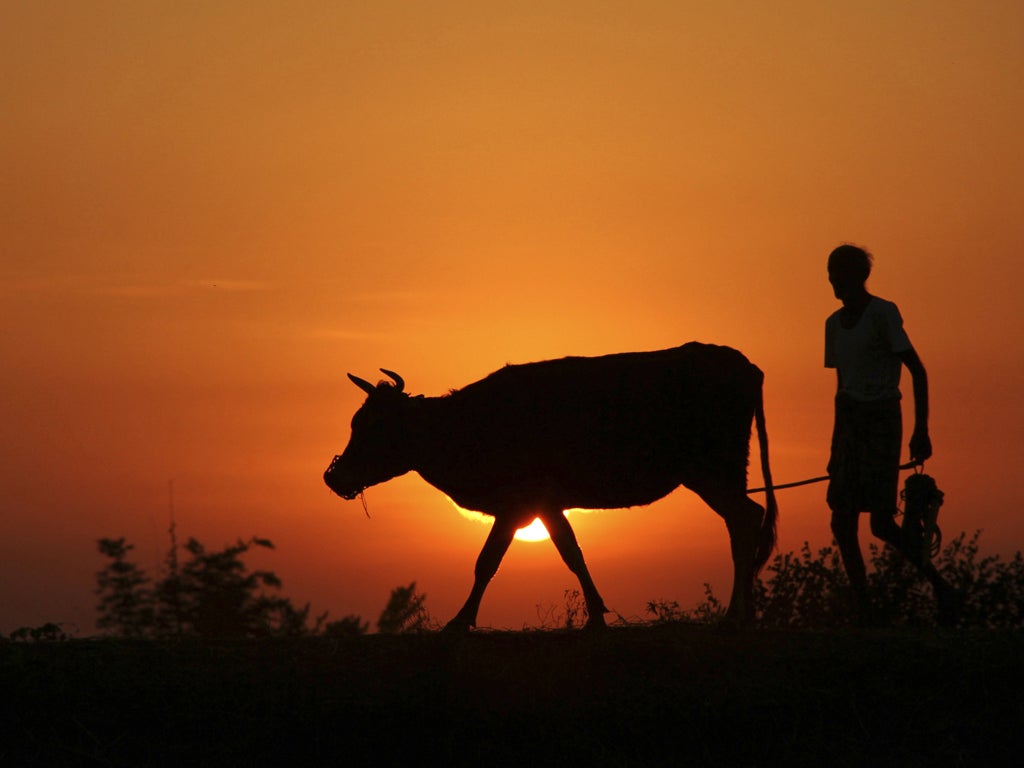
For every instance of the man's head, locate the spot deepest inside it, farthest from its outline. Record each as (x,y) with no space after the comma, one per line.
(848,270)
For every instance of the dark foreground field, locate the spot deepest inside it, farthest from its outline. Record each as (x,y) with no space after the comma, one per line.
(661,695)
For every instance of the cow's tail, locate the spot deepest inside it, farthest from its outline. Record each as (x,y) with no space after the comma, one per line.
(766,536)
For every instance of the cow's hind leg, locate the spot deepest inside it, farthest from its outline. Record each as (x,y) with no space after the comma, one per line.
(743,517)
(498,541)
(565,541)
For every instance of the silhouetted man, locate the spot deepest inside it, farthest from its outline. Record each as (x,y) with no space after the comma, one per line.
(866,344)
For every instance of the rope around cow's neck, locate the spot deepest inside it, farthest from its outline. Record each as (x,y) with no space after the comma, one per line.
(908,465)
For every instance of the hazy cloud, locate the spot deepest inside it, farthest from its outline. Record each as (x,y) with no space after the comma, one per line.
(122,286)
(233,286)
(345,334)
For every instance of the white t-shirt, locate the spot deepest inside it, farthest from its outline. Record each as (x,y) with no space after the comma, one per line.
(867,355)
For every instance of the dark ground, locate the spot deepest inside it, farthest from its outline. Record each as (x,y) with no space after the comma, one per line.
(660,695)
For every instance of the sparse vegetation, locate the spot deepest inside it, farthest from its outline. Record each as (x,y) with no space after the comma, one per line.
(49,632)
(210,594)
(572,614)
(404,612)
(708,611)
(213,594)
(127,601)
(808,590)
(349,626)
(168,685)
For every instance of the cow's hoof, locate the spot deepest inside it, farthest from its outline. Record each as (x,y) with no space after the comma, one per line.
(457,626)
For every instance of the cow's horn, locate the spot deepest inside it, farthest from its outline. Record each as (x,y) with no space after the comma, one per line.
(399,381)
(363,384)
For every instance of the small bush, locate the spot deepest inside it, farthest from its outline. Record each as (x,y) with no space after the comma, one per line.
(50,632)
(808,589)
(570,615)
(349,626)
(404,612)
(211,594)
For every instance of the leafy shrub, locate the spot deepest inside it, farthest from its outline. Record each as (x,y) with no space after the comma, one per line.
(127,601)
(404,612)
(50,632)
(212,594)
(708,611)
(349,626)
(993,588)
(802,589)
(665,611)
(808,589)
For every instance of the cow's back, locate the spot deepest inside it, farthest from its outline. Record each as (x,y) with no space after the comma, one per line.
(610,431)
(663,381)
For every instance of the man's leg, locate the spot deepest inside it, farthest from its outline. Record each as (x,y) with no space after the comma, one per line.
(844,528)
(948,600)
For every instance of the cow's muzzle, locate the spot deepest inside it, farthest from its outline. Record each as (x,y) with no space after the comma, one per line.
(335,479)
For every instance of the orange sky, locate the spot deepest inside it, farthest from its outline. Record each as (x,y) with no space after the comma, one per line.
(211,212)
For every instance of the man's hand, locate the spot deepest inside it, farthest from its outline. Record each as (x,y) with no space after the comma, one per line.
(920,446)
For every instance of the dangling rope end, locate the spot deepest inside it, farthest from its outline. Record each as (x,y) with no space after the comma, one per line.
(921,499)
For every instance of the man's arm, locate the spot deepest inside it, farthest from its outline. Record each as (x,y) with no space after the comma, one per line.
(920,443)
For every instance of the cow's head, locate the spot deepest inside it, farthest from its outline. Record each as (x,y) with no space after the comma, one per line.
(378,448)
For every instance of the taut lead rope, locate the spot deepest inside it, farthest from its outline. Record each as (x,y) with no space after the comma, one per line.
(908,465)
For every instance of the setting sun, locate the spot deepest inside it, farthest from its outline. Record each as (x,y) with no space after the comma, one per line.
(535,531)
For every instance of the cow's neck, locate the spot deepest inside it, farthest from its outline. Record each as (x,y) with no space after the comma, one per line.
(423,420)
(435,441)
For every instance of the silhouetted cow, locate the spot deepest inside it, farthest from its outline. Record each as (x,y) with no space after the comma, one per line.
(593,433)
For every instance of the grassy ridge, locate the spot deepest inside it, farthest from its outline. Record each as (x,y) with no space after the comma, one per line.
(659,695)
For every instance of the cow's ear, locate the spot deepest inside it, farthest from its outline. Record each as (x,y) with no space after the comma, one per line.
(363,384)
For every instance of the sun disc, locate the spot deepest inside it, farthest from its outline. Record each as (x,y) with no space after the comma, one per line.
(535,531)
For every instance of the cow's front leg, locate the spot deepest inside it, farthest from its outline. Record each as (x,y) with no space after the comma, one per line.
(565,541)
(498,541)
